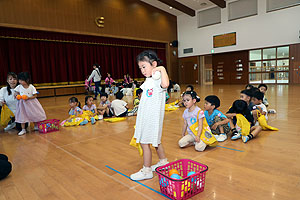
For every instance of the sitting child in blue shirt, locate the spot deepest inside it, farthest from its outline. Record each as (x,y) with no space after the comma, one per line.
(217,121)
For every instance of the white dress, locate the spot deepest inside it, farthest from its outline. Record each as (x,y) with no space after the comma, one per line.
(150,115)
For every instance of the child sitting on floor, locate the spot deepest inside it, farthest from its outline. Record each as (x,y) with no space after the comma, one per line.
(217,121)
(257,99)
(76,118)
(104,106)
(90,106)
(136,102)
(192,116)
(119,107)
(263,88)
(241,107)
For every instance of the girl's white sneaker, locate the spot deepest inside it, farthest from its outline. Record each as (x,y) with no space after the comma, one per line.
(22,132)
(143,174)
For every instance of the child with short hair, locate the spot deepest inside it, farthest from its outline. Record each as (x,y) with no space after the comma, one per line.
(263,88)
(150,116)
(247,95)
(136,102)
(217,121)
(89,105)
(119,107)
(191,115)
(241,107)
(28,109)
(257,99)
(104,106)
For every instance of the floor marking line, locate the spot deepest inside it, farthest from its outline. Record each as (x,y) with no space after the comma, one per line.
(230,148)
(92,166)
(137,182)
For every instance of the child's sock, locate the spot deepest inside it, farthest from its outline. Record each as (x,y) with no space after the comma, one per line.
(84,122)
(93,121)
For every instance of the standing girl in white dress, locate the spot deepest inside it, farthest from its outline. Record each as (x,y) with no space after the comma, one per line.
(151,111)
(28,109)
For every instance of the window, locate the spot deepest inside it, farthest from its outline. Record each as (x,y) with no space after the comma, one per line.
(269,65)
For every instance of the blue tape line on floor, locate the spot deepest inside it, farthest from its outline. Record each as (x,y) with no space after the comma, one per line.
(229,148)
(137,181)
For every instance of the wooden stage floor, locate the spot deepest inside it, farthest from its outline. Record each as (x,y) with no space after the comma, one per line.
(73,163)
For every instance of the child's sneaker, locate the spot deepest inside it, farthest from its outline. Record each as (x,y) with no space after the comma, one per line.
(130,114)
(160,163)
(236,136)
(245,139)
(100,117)
(10,126)
(93,121)
(222,137)
(144,173)
(22,132)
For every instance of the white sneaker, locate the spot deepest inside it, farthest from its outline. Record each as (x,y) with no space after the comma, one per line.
(143,174)
(222,137)
(160,163)
(130,114)
(10,126)
(100,117)
(22,132)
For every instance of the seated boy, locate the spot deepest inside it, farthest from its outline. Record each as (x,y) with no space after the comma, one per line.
(136,102)
(257,99)
(247,95)
(119,107)
(217,121)
(241,107)
(263,88)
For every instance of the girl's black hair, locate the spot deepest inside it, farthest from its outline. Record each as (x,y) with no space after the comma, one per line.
(24,76)
(193,95)
(8,86)
(74,99)
(148,56)
(249,86)
(86,99)
(190,86)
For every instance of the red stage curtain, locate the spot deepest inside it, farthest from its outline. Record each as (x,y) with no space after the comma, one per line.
(51,61)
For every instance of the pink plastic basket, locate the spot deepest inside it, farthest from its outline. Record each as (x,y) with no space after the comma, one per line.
(48,125)
(182,188)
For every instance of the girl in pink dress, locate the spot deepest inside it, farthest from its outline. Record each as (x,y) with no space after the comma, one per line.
(28,108)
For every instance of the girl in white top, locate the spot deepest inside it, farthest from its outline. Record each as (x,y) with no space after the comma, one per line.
(150,114)
(28,109)
(96,76)
(7,97)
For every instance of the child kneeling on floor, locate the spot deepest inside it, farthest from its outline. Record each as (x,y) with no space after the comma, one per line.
(217,121)
(194,121)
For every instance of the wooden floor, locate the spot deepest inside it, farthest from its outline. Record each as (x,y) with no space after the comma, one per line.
(72,163)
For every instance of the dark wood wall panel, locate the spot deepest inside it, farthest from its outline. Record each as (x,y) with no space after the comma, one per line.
(295,63)
(188,73)
(230,68)
(123,18)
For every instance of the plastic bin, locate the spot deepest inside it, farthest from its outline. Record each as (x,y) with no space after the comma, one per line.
(48,125)
(182,188)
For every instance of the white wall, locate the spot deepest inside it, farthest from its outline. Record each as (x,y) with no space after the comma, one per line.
(263,30)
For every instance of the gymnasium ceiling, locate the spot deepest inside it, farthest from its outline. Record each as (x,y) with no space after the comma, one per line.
(183,6)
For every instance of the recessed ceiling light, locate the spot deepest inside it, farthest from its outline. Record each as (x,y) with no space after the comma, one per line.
(170,7)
